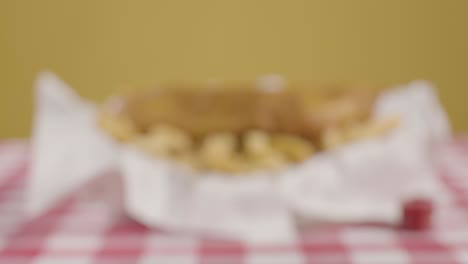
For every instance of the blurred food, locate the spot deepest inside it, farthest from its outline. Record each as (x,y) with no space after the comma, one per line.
(332,137)
(165,141)
(120,127)
(259,150)
(217,151)
(240,130)
(293,147)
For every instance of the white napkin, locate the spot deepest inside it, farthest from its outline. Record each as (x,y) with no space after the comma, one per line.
(364,181)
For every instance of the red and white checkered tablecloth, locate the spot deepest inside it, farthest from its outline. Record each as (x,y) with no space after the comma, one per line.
(79,232)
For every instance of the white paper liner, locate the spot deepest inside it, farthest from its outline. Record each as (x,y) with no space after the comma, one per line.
(361,182)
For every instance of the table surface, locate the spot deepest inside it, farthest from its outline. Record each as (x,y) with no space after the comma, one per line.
(76,231)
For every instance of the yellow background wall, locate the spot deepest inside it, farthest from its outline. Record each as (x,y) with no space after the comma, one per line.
(99,45)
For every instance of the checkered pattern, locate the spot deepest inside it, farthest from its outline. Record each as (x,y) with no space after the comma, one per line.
(76,231)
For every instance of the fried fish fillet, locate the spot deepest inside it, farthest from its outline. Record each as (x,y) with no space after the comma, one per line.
(242,129)
(200,112)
